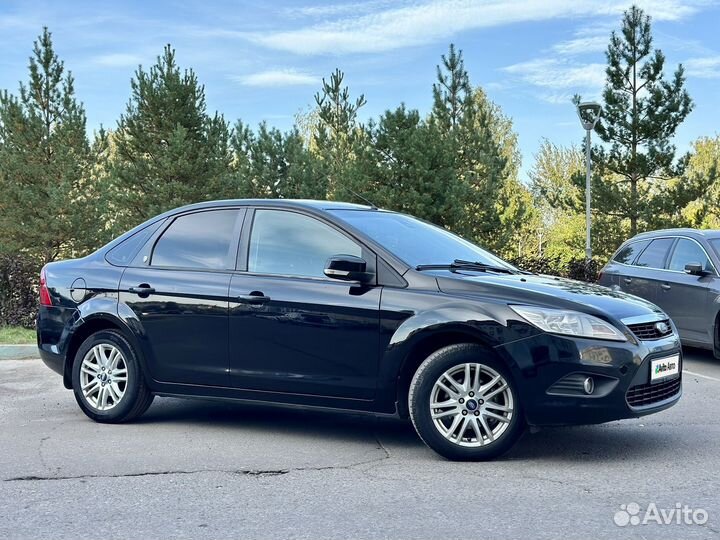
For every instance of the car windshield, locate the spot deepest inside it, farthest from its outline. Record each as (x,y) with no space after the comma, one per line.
(416,242)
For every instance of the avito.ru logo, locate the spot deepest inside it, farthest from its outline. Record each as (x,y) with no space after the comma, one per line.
(681,514)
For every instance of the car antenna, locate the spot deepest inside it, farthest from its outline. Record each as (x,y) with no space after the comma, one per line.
(356,194)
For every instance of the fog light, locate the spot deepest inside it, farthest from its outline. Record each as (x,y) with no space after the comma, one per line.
(589,385)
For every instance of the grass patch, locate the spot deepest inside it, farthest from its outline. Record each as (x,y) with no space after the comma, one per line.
(16,335)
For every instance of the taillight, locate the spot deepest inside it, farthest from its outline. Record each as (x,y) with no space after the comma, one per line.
(45,299)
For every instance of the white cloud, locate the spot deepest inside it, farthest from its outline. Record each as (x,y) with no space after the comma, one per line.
(558,74)
(582,45)
(117,60)
(277,77)
(433,20)
(703,68)
(331,10)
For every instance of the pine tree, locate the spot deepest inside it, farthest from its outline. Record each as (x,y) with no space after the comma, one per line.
(44,160)
(170,151)
(452,93)
(337,134)
(641,112)
(465,119)
(409,167)
(272,164)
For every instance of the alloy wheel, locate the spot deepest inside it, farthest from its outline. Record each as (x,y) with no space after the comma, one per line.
(471,405)
(103,376)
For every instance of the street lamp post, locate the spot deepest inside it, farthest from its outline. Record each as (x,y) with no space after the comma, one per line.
(589,113)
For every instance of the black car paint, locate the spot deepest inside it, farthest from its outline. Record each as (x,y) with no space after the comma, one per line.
(334,344)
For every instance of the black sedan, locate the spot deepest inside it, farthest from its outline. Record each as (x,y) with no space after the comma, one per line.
(341,306)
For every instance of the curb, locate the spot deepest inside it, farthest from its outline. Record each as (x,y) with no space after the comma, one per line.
(18,352)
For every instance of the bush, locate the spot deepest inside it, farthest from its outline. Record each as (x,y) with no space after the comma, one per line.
(579,269)
(19,277)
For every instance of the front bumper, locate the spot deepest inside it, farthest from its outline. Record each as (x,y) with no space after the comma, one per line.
(543,364)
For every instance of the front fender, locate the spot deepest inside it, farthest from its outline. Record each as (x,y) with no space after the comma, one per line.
(491,324)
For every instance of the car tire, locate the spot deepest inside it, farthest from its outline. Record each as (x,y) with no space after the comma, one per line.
(107,379)
(466,427)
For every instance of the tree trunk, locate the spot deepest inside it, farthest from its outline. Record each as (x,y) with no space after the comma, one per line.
(633,206)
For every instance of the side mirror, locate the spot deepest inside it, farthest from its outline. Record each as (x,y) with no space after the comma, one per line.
(348,268)
(694,269)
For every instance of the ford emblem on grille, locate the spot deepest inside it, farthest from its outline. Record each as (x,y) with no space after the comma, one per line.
(662,327)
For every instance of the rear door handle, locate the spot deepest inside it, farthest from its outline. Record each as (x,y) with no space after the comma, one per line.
(142,290)
(627,280)
(255,297)
(665,287)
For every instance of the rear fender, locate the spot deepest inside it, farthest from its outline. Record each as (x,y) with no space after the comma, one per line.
(99,313)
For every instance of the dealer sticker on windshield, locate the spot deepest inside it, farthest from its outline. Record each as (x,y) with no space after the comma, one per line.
(662,368)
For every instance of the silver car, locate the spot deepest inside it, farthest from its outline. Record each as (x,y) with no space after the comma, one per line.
(677,269)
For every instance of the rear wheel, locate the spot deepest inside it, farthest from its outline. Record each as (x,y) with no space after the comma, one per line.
(107,381)
(464,404)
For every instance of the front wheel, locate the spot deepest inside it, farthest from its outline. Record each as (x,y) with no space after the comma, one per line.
(464,404)
(107,381)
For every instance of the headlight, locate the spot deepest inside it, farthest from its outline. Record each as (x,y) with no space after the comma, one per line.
(570,323)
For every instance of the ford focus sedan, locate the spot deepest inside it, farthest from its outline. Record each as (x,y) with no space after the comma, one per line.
(347,307)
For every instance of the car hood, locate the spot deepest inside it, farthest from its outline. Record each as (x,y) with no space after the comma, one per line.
(549,291)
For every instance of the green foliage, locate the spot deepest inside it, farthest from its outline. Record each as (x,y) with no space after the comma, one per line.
(169,150)
(703,167)
(464,119)
(337,134)
(44,157)
(408,166)
(19,277)
(272,164)
(641,112)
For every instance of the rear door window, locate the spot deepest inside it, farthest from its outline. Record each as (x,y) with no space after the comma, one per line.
(203,240)
(655,254)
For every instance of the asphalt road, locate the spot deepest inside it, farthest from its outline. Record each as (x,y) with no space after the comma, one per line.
(191,469)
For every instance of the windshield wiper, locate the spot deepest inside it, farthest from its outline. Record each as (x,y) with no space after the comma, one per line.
(459,264)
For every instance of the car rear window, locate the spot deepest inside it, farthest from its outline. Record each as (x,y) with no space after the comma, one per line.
(627,254)
(655,254)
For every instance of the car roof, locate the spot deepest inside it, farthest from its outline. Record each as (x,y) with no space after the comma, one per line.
(705,233)
(280,203)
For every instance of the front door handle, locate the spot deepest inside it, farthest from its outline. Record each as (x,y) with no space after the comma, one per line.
(627,280)
(255,297)
(665,287)
(143,290)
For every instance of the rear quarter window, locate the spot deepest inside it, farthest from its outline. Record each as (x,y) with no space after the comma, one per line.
(628,253)
(125,251)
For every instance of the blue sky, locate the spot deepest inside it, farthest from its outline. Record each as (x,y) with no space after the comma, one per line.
(264,60)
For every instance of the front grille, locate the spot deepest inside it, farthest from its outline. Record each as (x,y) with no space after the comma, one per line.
(649,330)
(647,394)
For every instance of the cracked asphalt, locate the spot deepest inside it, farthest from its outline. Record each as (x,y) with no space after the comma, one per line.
(193,469)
